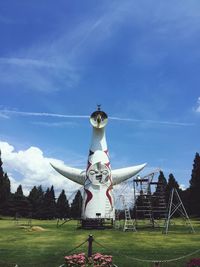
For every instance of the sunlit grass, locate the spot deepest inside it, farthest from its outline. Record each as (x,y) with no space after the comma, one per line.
(19,244)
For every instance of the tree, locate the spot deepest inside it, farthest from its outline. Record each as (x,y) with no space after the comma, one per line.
(162,179)
(49,205)
(139,204)
(159,200)
(19,191)
(162,183)
(172,183)
(5,193)
(194,189)
(19,204)
(36,198)
(62,206)
(76,206)
(185,196)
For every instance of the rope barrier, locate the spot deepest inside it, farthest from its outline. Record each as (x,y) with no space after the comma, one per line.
(147,260)
(69,251)
(13,263)
(118,253)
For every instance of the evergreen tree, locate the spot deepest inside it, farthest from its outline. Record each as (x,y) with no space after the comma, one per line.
(194,190)
(19,191)
(76,206)
(19,204)
(172,183)
(62,206)
(160,194)
(4,190)
(162,183)
(139,204)
(49,204)
(1,168)
(36,198)
(185,196)
(162,179)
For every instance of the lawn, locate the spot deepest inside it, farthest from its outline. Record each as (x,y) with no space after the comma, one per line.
(22,246)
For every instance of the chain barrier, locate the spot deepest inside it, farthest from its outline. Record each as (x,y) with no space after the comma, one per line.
(117,252)
(10,263)
(147,260)
(69,251)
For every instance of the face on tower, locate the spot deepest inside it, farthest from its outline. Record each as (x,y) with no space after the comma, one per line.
(99,173)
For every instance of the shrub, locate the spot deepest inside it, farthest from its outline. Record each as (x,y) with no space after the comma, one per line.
(194,262)
(80,260)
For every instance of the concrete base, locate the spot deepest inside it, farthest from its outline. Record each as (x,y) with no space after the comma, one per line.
(96,223)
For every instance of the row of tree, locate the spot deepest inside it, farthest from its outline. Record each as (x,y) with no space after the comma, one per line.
(38,204)
(43,204)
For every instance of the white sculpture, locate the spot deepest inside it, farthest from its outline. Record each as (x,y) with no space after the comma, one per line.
(98,179)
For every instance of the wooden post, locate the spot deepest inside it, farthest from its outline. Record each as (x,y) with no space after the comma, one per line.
(90,240)
(156,264)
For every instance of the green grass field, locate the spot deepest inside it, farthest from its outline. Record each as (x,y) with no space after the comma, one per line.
(24,247)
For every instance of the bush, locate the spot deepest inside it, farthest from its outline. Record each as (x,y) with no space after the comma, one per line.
(194,262)
(80,260)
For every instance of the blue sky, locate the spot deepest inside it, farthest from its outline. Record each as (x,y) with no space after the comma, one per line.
(138,59)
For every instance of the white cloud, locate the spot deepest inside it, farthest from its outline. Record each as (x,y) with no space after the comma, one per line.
(59,124)
(24,62)
(30,167)
(3,115)
(197,109)
(183,186)
(170,123)
(52,65)
(33,73)
(7,112)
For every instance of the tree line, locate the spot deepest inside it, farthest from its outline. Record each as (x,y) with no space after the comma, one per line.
(39,204)
(42,204)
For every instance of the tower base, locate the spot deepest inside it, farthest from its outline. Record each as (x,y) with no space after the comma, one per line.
(96,223)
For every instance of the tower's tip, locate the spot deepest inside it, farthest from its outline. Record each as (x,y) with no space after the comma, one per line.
(98,107)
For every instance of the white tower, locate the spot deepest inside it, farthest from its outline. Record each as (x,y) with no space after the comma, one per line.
(98,179)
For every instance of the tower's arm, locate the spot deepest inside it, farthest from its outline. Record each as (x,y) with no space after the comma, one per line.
(73,174)
(120,175)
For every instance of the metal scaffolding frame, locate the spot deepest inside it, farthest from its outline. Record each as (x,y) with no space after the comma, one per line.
(175,205)
(149,205)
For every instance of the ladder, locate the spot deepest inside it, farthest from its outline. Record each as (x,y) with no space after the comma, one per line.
(128,224)
(108,209)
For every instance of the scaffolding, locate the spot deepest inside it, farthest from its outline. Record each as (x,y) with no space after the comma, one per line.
(150,204)
(175,205)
